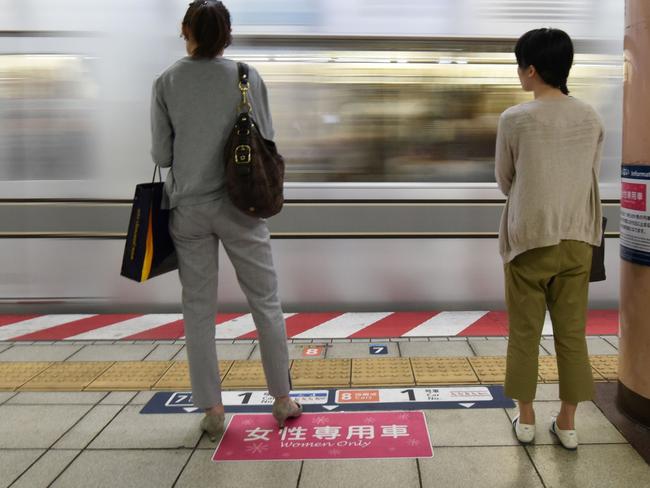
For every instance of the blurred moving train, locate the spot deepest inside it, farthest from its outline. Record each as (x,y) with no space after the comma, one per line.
(386,114)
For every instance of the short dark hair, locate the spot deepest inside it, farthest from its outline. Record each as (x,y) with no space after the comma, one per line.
(550,51)
(208,23)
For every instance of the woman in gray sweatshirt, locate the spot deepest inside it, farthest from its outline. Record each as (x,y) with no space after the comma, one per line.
(193,110)
(547,163)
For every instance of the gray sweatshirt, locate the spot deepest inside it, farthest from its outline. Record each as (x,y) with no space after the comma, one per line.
(547,163)
(193,109)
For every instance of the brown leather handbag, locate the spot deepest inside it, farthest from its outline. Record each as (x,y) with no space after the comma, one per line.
(254,169)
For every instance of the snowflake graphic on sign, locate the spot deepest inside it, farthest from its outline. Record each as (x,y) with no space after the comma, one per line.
(258,448)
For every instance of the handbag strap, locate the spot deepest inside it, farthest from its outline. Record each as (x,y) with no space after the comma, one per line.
(153,179)
(243,126)
(244,87)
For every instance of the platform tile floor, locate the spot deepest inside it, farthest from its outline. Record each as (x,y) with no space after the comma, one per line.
(99,439)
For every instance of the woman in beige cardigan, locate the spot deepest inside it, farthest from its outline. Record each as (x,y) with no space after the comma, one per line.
(547,163)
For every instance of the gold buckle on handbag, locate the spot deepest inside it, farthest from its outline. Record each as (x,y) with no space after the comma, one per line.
(243,154)
(245,103)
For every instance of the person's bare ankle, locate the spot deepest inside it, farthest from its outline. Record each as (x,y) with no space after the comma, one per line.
(564,423)
(526,413)
(527,417)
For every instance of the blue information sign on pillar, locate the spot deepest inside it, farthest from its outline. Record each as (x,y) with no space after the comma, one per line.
(635,214)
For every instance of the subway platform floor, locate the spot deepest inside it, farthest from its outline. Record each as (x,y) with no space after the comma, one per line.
(100,438)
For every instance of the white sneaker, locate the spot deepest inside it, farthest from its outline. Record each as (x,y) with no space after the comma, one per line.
(525,432)
(568,438)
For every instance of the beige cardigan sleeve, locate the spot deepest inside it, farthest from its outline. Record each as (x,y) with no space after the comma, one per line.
(504,167)
(599,153)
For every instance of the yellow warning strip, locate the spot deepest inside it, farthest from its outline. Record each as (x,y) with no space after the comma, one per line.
(443,371)
(67,376)
(177,377)
(244,374)
(130,375)
(15,375)
(305,373)
(321,373)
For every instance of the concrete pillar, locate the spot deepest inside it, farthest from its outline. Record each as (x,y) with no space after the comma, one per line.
(634,351)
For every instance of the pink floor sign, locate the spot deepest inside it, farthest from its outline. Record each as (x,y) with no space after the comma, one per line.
(350,435)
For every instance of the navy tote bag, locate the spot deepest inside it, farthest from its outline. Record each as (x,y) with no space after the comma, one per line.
(149,250)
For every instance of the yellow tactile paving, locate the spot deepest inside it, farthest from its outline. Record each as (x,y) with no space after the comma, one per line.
(224,367)
(14,375)
(382,372)
(178,376)
(489,369)
(443,371)
(245,374)
(305,373)
(67,376)
(606,366)
(175,378)
(321,373)
(130,375)
(548,369)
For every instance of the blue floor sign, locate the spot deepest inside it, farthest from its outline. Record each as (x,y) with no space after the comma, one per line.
(345,400)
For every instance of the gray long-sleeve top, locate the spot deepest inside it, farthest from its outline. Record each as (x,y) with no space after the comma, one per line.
(193,110)
(547,163)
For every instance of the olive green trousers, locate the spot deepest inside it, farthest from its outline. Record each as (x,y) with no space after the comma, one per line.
(556,277)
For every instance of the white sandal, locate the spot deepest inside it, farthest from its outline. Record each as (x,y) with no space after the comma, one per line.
(525,432)
(568,438)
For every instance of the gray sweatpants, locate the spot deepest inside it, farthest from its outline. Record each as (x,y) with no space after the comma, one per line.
(196,231)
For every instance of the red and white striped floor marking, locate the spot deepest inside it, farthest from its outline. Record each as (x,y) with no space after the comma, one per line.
(63,331)
(492,323)
(176,329)
(127,328)
(445,324)
(395,325)
(12,319)
(325,325)
(343,326)
(29,326)
(602,322)
(169,331)
(237,327)
(300,322)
